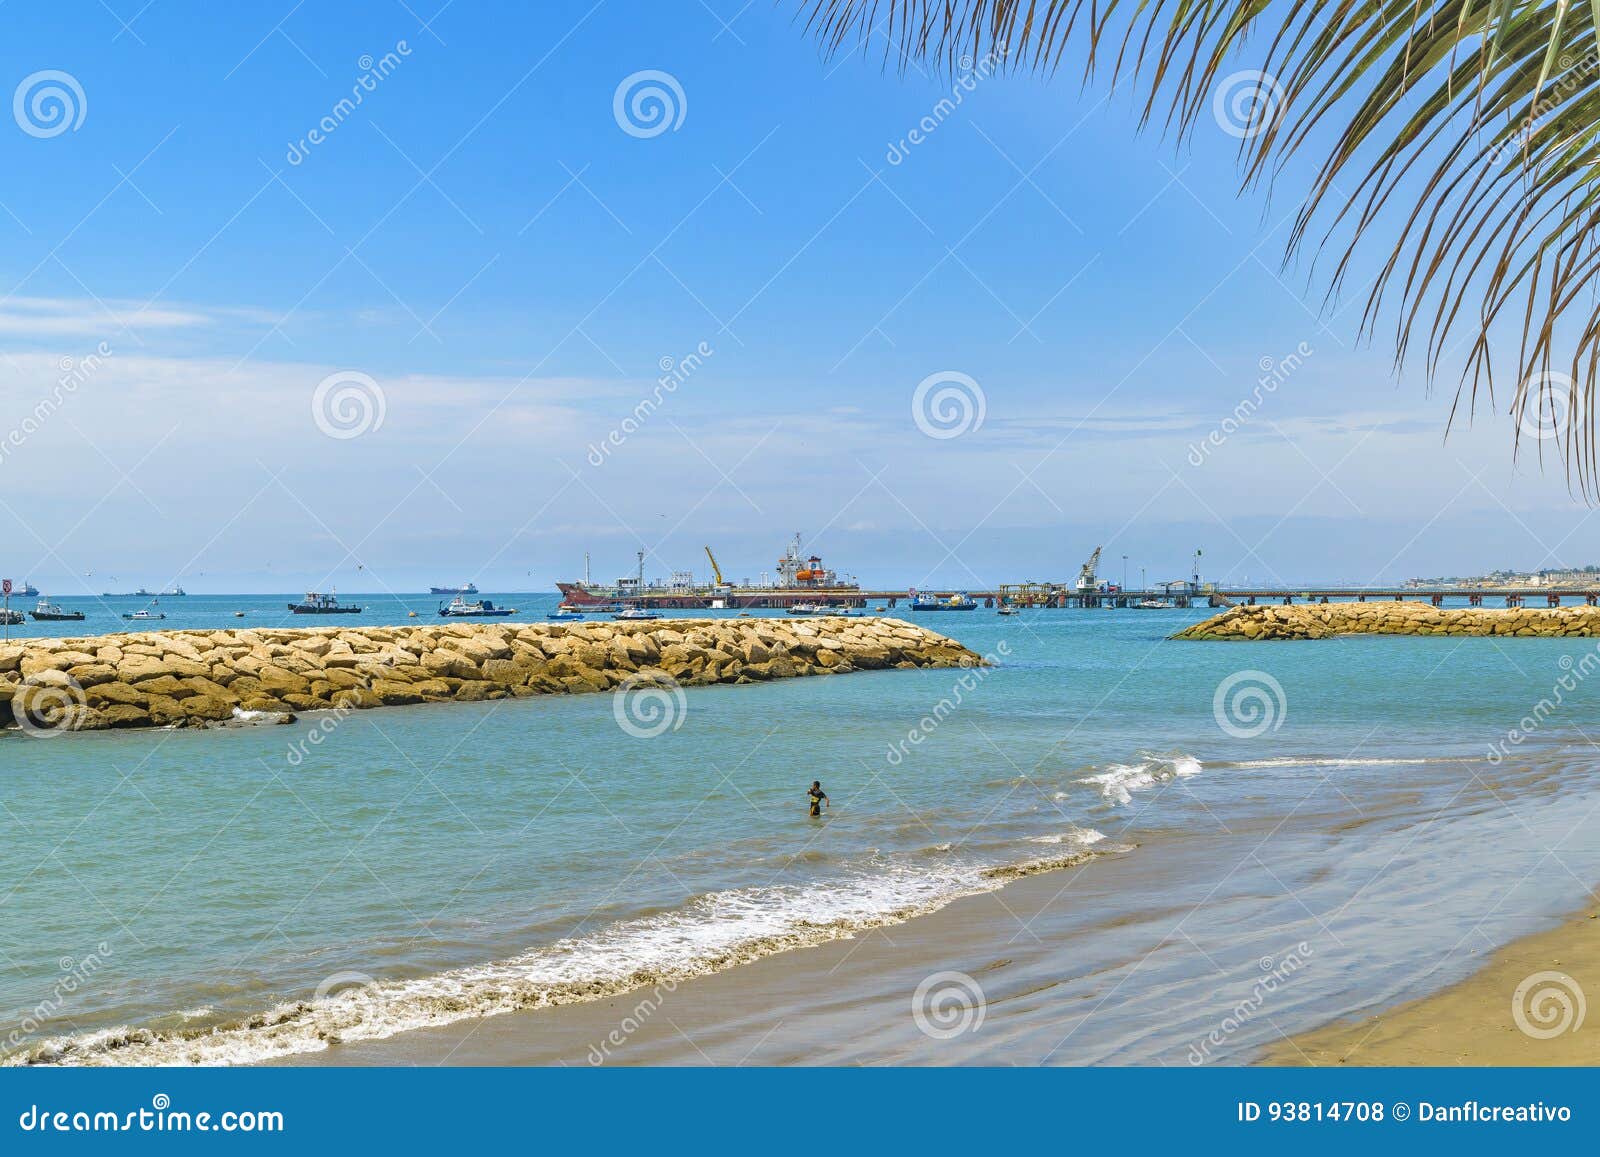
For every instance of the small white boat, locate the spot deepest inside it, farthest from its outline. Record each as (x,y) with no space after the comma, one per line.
(1007,610)
(805,609)
(636,615)
(1152,605)
(459,608)
(143,616)
(564,615)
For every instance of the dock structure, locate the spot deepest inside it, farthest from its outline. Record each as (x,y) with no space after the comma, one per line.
(1060,595)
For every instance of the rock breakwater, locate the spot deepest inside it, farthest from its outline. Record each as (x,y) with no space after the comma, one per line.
(195,678)
(1328,620)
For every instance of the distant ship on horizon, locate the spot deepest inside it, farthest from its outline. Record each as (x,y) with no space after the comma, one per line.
(800,577)
(469,589)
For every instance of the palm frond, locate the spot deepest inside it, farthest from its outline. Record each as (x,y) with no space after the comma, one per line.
(1463,141)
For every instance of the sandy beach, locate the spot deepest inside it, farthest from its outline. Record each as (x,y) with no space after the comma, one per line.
(1061,981)
(1475,1022)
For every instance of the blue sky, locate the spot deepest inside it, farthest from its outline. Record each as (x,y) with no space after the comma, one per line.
(505,267)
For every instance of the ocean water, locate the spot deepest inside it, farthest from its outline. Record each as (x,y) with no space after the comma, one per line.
(237,895)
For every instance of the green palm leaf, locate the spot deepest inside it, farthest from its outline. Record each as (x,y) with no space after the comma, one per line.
(1464,148)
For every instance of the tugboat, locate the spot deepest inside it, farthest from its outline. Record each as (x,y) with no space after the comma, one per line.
(48,612)
(328,604)
(143,616)
(459,608)
(636,615)
(956,602)
(469,589)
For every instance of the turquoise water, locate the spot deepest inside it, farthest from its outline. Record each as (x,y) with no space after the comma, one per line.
(241,894)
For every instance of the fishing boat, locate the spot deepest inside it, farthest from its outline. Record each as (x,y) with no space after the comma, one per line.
(316,604)
(469,589)
(49,612)
(459,608)
(635,615)
(143,616)
(10,618)
(956,602)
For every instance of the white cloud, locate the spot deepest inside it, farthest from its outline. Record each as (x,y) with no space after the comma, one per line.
(47,317)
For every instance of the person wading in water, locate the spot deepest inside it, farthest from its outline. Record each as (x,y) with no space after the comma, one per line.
(818,797)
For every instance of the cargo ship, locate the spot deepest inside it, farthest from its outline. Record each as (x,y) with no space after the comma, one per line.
(801,578)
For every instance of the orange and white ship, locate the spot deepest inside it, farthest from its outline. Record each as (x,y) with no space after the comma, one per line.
(800,578)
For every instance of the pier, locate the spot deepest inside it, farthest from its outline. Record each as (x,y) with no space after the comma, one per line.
(1058,596)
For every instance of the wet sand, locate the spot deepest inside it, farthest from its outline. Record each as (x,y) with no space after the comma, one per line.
(1123,959)
(1473,1023)
(808,1006)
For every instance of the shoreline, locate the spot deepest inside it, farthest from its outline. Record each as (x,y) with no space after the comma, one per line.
(1524,1007)
(797,1006)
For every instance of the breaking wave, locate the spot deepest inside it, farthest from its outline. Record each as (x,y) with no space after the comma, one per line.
(715,932)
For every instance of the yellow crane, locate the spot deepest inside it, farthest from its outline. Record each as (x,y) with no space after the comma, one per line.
(715,569)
